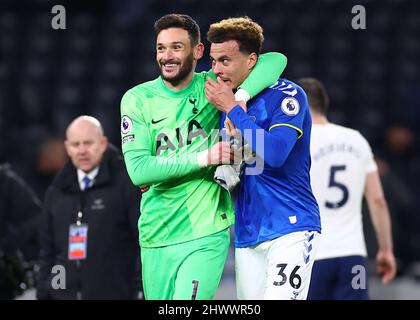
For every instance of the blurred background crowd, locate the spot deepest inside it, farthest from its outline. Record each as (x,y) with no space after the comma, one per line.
(48,77)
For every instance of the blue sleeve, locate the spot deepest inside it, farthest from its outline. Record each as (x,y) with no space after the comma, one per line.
(277,142)
(290,112)
(222,119)
(223,132)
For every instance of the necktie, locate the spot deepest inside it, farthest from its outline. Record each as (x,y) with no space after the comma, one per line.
(86,181)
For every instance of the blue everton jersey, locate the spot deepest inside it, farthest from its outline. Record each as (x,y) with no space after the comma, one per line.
(279,200)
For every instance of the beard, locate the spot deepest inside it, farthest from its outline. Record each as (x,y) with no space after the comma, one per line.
(185,70)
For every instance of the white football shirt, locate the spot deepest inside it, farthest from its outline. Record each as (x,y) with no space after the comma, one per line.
(341,159)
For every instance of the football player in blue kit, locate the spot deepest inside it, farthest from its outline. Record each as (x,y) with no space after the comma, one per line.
(277,217)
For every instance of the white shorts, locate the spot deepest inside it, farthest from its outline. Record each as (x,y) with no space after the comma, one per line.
(279,269)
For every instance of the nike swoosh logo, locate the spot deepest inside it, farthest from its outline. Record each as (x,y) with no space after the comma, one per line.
(157,121)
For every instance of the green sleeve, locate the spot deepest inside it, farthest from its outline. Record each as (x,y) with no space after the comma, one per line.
(143,167)
(266,72)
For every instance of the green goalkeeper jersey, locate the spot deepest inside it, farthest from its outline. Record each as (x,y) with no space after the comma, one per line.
(162,131)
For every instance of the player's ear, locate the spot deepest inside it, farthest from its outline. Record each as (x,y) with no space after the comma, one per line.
(252,60)
(198,51)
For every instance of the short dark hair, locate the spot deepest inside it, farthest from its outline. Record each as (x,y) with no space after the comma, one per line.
(318,98)
(182,21)
(247,32)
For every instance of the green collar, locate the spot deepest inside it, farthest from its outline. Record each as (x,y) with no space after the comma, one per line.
(177,93)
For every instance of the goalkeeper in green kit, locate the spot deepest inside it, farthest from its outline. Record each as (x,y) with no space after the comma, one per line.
(167,142)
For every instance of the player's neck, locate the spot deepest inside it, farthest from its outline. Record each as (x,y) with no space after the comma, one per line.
(319,119)
(181,84)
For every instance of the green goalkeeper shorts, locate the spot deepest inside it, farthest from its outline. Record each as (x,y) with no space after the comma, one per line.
(185,271)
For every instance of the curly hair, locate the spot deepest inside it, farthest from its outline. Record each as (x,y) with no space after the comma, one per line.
(247,32)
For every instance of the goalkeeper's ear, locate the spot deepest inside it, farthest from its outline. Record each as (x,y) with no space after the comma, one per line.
(198,51)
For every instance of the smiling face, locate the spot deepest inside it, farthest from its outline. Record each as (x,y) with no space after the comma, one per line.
(176,58)
(230,64)
(85,144)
